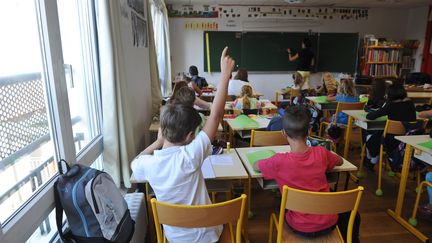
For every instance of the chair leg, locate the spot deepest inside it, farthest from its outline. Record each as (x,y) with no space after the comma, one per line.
(270,230)
(360,173)
(379,191)
(321,129)
(413,219)
(213,196)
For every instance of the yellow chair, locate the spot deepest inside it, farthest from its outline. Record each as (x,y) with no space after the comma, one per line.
(294,93)
(391,128)
(197,216)
(315,203)
(339,108)
(267,138)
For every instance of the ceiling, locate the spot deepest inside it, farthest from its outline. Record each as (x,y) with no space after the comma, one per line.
(327,3)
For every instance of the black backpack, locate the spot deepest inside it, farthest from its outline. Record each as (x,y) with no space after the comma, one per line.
(95,209)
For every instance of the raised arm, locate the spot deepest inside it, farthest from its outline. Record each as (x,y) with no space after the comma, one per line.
(292,57)
(217,110)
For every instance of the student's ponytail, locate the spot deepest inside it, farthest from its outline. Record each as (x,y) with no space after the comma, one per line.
(246,92)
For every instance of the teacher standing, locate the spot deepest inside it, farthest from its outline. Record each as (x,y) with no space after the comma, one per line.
(306,60)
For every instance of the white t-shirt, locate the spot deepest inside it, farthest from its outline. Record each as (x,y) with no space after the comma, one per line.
(175,175)
(235,86)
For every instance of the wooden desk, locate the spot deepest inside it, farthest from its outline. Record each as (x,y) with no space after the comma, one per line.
(425,154)
(244,132)
(232,171)
(360,120)
(345,167)
(420,97)
(414,88)
(222,172)
(320,104)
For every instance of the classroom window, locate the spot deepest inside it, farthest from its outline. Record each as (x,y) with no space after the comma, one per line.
(49,106)
(78,41)
(26,144)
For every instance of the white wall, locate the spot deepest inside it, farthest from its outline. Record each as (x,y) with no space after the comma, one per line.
(187,45)
(416,30)
(137,67)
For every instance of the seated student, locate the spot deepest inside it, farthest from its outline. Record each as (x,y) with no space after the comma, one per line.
(329,85)
(346,93)
(376,97)
(425,210)
(397,107)
(185,94)
(172,163)
(246,100)
(305,168)
(200,81)
(240,80)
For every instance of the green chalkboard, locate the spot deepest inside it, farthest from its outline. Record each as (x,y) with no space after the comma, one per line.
(337,52)
(267,51)
(217,42)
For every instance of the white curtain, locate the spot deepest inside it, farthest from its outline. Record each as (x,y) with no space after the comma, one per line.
(117,125)
(159,17)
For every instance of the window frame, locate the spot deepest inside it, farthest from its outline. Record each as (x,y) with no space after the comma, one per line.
(33,212)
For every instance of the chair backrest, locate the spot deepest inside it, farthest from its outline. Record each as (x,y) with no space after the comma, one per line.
(294,93)
(348,106)
(267,138)
(320,203)
(197,216)
(397,128)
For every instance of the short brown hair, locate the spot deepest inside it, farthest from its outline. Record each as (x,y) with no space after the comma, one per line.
(296,122)
(177,121)
(242,75)
(184,95)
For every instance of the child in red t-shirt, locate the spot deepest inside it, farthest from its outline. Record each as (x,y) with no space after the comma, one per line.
(304,168)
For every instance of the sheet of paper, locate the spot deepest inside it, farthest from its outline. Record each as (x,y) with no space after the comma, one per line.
(221,159)
(427,144)
(207,169)
(253,157)
(243,121)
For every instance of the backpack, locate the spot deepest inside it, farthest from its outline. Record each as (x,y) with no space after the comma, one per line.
(314,141)
(95,209)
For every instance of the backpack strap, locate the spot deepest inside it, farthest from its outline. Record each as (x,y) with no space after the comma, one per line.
(65,237)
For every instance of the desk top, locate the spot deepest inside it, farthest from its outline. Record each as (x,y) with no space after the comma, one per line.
(222,171)
(419,94)
(422,153)
(346,166)
(414,88)
(262,120)
(414,140)
(361,116)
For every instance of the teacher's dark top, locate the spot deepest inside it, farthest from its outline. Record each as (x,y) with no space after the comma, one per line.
(305,59)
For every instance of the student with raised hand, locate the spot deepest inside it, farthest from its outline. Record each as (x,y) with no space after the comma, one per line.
(305,168)
(172,164)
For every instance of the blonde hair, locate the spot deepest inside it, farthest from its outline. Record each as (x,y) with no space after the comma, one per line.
(177,86)
(329,83)
(346,87)
(298,79)
(246,93)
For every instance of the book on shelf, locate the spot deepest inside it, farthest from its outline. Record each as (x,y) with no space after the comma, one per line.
(377,70)
(383,55)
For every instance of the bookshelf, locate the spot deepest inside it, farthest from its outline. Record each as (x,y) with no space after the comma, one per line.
(382,61)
